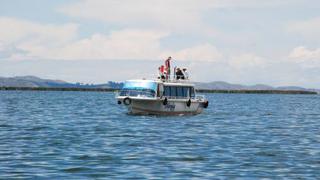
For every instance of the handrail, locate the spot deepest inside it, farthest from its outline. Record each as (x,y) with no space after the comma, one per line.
(176,80)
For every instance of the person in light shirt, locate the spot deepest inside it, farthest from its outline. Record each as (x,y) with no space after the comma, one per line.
(185,73)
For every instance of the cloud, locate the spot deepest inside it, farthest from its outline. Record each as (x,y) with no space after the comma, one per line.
(303,54)
(124,44)
(308,29)
(247,60)
(174,15)
(7,51)
(26,39)
(141,13)
(133,44)
(20,39)
(15,30)
(308,59)
(178,16)
(204,52)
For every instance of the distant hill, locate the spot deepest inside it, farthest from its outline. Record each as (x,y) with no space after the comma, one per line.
(220,85)
(34,82)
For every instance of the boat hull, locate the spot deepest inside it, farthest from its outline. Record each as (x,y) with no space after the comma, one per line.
(158,107)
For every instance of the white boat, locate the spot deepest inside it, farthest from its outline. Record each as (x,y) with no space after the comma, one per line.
(161,97)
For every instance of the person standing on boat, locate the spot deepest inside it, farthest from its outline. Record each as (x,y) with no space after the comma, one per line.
(185,73)
(161,72)
(179,74)
(167,64)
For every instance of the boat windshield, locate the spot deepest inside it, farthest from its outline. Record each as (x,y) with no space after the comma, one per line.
(139,89)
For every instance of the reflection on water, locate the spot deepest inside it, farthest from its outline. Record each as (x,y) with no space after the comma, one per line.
(80,135)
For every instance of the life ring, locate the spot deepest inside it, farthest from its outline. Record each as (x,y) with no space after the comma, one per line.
(189,103)
(127,101)
(165,101)
(206,104)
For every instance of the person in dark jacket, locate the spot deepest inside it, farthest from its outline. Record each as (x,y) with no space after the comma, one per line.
(179,74)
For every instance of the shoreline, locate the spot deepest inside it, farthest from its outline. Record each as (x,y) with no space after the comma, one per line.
(199,90)
(256,91)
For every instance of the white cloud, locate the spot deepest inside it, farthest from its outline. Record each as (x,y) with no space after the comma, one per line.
(26,39)
(22,39)
(125,44)
(132,44)
(308,29)
(305,58)
(166,14)
(174,15)
(204,52)
(247,60)
(302,54)
(15,30)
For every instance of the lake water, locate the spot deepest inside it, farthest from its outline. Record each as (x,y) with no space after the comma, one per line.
(86,135)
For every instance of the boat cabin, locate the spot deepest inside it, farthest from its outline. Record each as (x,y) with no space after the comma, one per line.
(178,91)
(157,89)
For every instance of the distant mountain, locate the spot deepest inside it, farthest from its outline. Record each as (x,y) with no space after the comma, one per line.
(220,85)
(32,81)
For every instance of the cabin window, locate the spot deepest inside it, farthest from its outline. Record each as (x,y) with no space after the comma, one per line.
(186,91)
(180,92)
(167,91)
(173,91)
(192,95)
(138,92)
(139,89)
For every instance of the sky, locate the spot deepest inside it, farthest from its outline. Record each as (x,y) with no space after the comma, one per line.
(93,41)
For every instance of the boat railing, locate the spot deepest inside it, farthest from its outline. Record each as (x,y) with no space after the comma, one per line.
(179,80)
(175,80)
(168,79)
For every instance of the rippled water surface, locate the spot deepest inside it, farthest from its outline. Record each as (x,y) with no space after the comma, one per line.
(86,135)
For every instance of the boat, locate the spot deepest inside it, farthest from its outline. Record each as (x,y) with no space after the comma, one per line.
(161,96)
